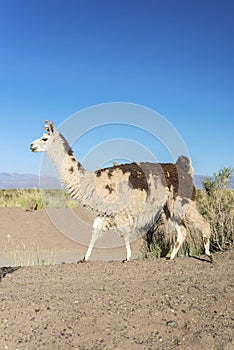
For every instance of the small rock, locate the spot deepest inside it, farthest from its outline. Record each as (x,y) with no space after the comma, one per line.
(172,324)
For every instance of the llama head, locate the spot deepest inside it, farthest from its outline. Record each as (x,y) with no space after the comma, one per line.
(41,144)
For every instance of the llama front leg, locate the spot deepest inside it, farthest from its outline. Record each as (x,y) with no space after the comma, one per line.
(98,228)
(181,235)
(128,248)
(126,237)
(95,235)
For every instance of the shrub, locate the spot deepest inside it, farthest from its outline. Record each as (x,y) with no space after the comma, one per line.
(216,204)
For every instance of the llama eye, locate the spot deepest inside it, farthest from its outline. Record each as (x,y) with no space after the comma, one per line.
(45,139)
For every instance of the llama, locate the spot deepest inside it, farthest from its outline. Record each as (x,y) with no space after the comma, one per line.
(125,197)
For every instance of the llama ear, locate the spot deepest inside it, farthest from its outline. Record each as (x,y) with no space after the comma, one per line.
(49,126)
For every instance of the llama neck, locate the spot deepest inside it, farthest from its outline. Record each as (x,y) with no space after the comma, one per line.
(78,181)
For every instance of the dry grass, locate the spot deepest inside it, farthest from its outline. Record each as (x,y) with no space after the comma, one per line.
(35,199)
(26,254)
(21,198)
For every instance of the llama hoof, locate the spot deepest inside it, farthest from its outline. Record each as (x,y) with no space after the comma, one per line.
(210,258)
(125,260)
(81,261)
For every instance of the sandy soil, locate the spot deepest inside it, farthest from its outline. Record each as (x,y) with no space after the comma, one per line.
(187,303)
(54,236)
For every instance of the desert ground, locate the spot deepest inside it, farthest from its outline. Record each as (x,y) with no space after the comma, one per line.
(148,304)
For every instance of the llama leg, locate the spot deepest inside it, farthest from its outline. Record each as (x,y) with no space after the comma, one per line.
(204,228)
(181,235)
(96,233)
(127,245)
(128,248)
(206,239)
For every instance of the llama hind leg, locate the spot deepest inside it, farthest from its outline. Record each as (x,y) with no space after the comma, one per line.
(204,228)
(181,235)
(206,239)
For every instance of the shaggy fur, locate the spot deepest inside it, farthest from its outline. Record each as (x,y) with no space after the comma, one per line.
(127,197)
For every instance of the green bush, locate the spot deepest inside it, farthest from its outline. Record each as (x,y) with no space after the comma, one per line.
(216,204)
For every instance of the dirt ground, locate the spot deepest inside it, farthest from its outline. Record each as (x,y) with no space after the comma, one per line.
(43,236)
(187,303)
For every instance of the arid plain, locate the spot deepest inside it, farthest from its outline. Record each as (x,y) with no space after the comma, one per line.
(187,303)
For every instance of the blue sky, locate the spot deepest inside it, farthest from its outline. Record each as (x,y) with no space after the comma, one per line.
(175,57)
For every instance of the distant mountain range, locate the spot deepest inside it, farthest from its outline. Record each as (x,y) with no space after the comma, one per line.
(21,181)
(198,179)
